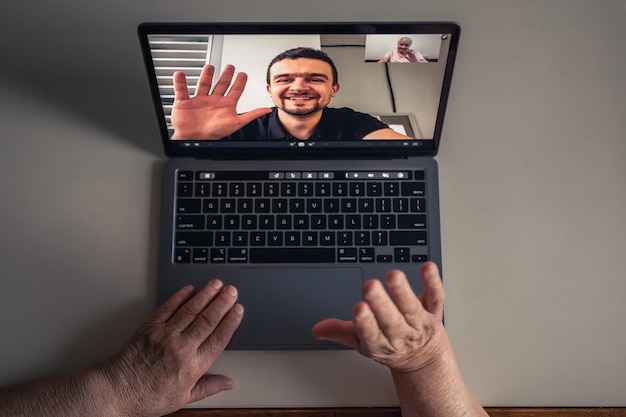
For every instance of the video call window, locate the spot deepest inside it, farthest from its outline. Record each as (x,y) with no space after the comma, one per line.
(405,96)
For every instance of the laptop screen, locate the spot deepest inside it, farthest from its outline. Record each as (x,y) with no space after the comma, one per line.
(299,89)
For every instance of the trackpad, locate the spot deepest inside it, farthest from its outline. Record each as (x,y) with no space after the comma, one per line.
(282,304)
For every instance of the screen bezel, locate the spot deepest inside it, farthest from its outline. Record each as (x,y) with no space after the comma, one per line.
(389,149)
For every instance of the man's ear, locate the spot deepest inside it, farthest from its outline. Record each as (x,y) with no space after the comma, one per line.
(268,89)
(334,90)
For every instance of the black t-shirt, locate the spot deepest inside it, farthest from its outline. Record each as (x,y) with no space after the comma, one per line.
(342,124)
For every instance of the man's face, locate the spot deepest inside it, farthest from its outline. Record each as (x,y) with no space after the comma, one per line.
(302,86)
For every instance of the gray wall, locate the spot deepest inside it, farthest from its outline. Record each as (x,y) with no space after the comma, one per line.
(533,196)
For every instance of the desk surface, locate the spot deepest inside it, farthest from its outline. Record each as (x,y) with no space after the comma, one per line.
(533,196)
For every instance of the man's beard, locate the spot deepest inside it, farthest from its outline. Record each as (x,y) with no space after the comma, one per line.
(299,111)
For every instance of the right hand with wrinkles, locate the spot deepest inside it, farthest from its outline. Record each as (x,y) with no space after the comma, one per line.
(210,114)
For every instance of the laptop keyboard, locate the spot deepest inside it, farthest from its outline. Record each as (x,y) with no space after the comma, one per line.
(265,217)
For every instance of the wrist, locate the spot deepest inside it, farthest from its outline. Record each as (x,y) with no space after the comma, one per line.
(107,379)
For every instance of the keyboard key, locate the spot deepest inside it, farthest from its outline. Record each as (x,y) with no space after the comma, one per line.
(419,258)
(322,189)
(214,222)
(228,205)
(184,175)
(309,238)
(327,238)
(306,189)
(296,205)
(362,238)
(391,188)
(401,254)
(220,189)
(218,255)
(301,222)
(195,222)
(353,221)
(413,189)
(275,238)
(348,205)
(288,189)
(194,238)
(418,205)
(331,205)
(280,205)
(184,189)
(182,255)
(374,189)
(411,221)
(379,238)
(347,255)
(366,205)
(210,205)
(314,205)
(200,256)
(366,255)
(188,205)
(404,238)
(237,256)
(222,238)
(203,189)
(292,238)
(292,255)
(384,258)
(357,189)
(245,205)
(254,189)
(400,205)
(340,189)
(236,189)
(344,238)
(257,238)
(262,205)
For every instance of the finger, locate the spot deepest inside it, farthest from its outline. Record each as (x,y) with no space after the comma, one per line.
(188,312)
(402,294)
(181,91)
(371,337)
(203,87)
(338,331)
(172,304)
(209,385)
(223,83)
(389,319)
(247,117)
(217,341)
(211,317)
(434,295)
(236,90)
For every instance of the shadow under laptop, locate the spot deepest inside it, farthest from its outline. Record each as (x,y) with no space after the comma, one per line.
(123,106)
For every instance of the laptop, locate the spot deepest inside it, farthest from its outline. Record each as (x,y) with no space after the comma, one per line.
(300,162)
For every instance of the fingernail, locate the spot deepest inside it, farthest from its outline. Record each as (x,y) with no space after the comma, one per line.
(232,291)
(216,283)
(238,309)
(393,280)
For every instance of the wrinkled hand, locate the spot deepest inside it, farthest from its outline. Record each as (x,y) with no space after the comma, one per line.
(163,366)
(399,329)
(210,114)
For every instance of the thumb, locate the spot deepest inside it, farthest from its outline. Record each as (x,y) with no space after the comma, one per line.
(247,117)
(434,295)
(209,385)
(338,331)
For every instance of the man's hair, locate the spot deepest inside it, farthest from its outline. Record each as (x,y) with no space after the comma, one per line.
(406,39)
(302,52)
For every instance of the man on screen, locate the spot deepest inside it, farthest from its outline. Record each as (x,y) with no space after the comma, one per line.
(301,83)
